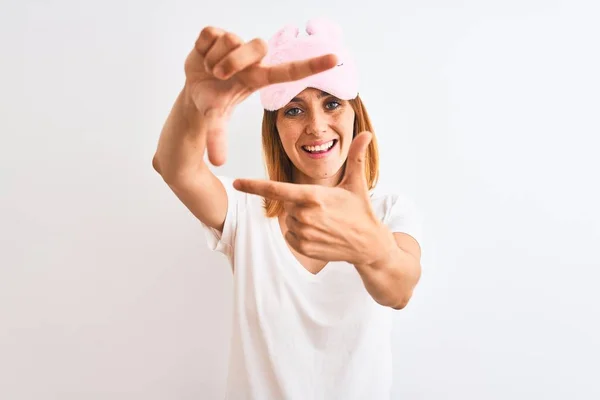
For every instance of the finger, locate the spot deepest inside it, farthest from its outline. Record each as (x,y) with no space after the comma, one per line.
(303,214)
(307,247)
(221,48)
(354,174)
(241,58)
(289,207)
(300,69)
(276,190)
(204,42)
(207,38)
(300,215)
(292,71)
(216,139)
(302,246)
(292,224)
(293,240)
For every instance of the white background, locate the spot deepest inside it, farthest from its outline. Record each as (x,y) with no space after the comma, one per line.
(487,116)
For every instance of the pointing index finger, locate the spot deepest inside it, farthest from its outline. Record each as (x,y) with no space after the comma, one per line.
(296,70)
(276,190)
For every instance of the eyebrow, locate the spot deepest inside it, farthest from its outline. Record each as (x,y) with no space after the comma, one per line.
(320,96)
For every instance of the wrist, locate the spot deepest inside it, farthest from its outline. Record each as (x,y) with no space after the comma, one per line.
(382,248)
(186,110)
(187,101)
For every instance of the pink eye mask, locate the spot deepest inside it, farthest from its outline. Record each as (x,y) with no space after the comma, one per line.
(323,37)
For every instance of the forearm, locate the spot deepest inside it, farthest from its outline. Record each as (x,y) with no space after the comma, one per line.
(390,279)
(182,142)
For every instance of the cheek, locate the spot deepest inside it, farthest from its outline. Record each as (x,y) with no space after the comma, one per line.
(346,125)
(289,135)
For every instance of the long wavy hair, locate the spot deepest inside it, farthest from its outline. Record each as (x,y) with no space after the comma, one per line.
(280,168)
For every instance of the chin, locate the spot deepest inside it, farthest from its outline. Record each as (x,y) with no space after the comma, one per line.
(321,174)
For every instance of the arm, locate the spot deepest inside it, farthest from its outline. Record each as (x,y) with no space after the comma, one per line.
(199,116)
(332,224)
(391,279)
(179,159)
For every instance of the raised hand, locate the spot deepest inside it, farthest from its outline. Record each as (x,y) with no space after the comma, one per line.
(222,70)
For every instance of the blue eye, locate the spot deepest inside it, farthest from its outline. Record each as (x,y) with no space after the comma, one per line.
(295,111)
(292,111)
(337,104)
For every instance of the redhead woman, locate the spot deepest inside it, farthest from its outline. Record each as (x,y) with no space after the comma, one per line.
(320,259)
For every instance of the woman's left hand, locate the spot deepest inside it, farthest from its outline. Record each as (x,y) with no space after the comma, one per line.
(330,223)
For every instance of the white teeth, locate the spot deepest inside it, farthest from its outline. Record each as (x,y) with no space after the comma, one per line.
(321,147)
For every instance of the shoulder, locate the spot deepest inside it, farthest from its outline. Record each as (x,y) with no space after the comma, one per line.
(398,211)
(245,203)
(389,201)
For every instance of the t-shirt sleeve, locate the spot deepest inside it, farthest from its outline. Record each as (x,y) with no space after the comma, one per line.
(402,216)
(223,242)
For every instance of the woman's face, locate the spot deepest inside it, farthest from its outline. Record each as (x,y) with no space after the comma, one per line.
(316,130)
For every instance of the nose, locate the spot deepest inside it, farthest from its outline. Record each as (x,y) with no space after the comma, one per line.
(317,123)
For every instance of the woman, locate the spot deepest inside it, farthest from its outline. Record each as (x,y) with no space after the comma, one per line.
(319,260)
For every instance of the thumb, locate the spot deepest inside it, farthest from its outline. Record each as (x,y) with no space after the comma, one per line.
(354,176)
(216,138)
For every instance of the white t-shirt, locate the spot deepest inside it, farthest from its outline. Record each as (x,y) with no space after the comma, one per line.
(297,335)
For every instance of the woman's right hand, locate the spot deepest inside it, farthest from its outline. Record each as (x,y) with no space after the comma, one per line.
(222,70)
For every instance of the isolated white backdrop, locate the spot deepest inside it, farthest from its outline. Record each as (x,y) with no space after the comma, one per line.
(487,117)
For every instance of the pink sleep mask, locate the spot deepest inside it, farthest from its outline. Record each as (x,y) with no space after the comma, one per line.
(324,37)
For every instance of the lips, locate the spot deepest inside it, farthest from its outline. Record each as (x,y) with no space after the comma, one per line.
(320,148)
(321,151)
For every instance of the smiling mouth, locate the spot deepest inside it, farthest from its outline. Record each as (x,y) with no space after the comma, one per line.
(323,148)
